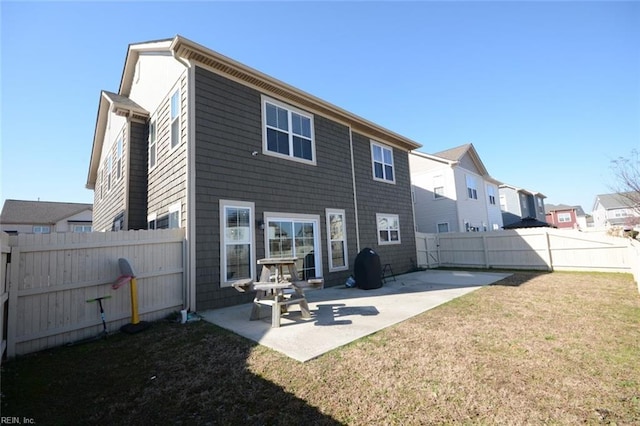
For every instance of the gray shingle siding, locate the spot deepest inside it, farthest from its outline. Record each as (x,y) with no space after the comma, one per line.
(138,156)
(381,197)
(228,129)
(168,179)
(109,204)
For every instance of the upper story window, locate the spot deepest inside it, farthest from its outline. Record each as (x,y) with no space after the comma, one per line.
(175,119)
(540,205)
(109,171)
(524,205)
(438,187)
(492,194)
(38,229)
(153,146)
(119,159)
(472,188)
(382,159)
(287,131)
(443,228)
(564,217)
(388,228)
(101,184)
(622,213)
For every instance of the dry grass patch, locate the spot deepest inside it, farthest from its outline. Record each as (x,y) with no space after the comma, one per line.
(558,348)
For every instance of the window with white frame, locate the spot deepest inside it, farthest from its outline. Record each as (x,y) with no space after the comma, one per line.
(119,159)
(288,131)
(41,229)
(388,228)
(237,243)
(109,171)
(564,217)
(524,205)
(443,227)
(174,215)
(472,188)
(152,221)
(82,228)
(337,236)
(101,183)
(492,194)
(503,202)
(153,146)
(175,119)
(621,213)
(382,160)
(438,187)
(295,235)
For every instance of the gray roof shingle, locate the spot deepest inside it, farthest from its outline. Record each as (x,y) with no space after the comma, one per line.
(454,154)
(39,212)
(548,208)
(615,201)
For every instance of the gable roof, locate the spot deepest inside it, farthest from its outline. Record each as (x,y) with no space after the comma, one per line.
(615,201)
(119,105)
(39,212)
(548,208)
(515,188)
(188,53)
(454,156)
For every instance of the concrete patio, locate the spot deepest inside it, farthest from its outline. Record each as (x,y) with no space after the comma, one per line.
(340,315)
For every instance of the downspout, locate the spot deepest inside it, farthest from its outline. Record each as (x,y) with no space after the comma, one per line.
(126,183)
(355,195)
(413,203)
(189,265)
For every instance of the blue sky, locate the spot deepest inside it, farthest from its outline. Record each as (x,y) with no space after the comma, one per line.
(548,92)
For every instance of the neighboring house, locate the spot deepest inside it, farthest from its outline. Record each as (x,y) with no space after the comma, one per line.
(45,217)
(564,216)
(453,192)
(517,204)
(251,168)
(615,210)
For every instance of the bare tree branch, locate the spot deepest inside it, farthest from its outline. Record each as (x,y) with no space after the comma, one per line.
(627,174)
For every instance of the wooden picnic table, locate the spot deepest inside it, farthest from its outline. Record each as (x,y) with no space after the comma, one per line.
(278,287)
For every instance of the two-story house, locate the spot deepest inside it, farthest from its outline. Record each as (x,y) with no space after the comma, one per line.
(564,216)
(518,203)
(250,166)
(45,217)
(453,192)
(615,210)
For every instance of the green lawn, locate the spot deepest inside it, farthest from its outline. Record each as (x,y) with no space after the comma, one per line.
(535,348)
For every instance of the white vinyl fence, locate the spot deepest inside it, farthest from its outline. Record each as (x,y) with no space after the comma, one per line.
(635,253)
(537,248)
(51,277)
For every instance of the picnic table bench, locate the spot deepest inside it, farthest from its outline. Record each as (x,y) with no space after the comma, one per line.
(278,289)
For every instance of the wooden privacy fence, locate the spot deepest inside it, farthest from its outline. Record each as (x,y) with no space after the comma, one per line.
(536,248)
(51,277)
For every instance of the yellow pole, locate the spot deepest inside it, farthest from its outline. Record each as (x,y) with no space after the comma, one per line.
(134,302)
